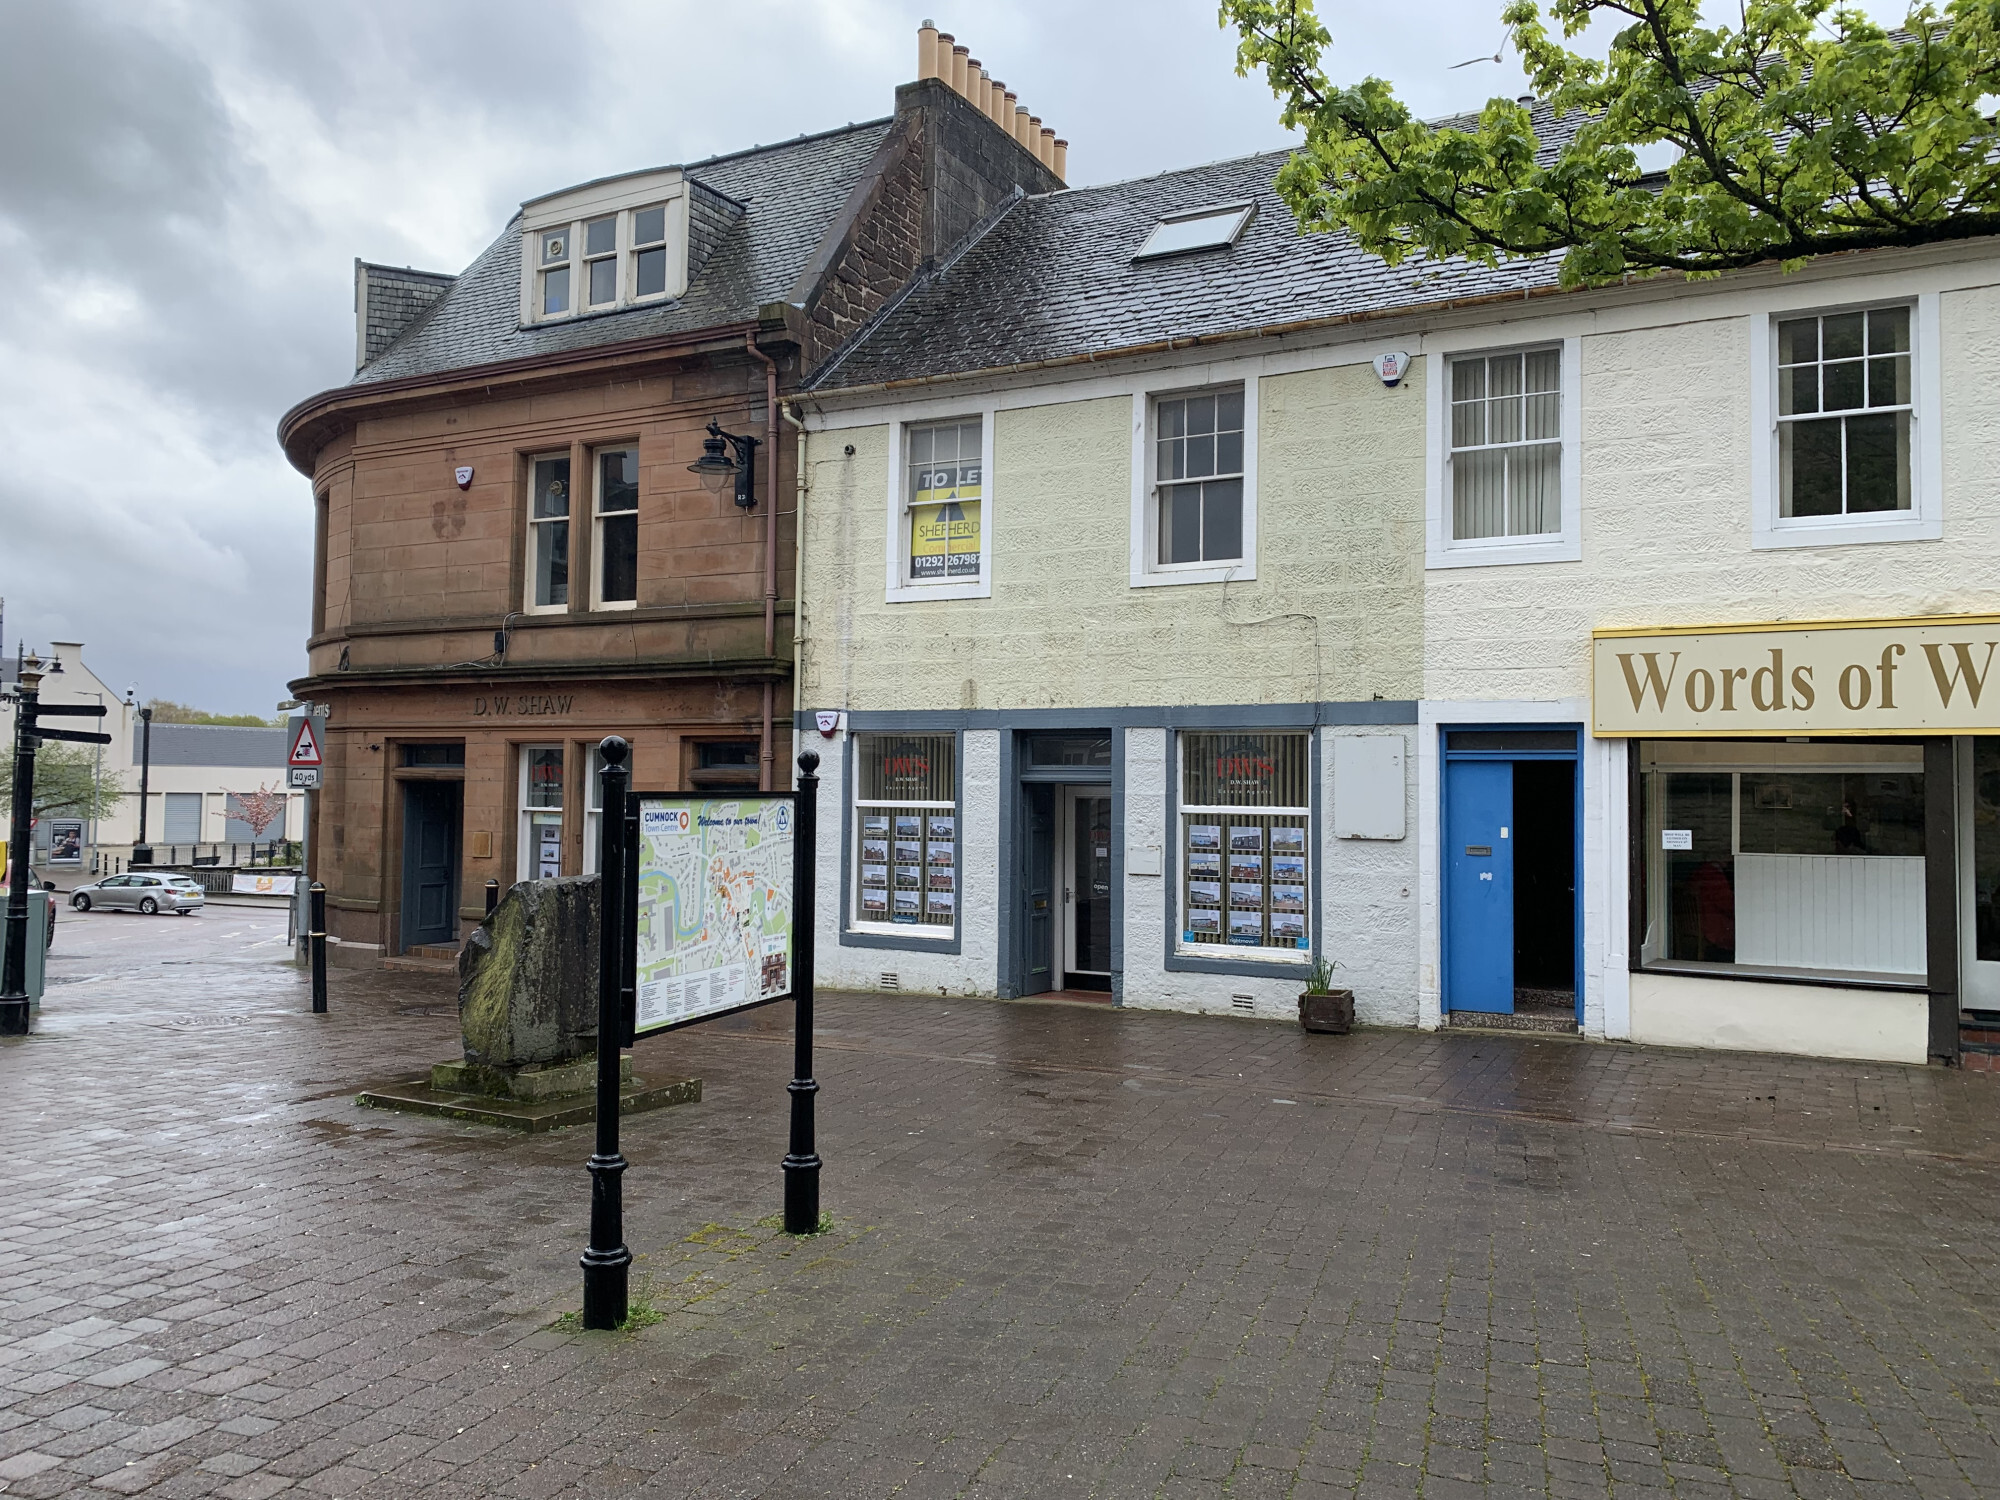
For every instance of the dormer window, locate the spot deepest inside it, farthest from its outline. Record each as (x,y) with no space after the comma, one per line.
(649,252)
(600,248)
(555,272)
(604,246)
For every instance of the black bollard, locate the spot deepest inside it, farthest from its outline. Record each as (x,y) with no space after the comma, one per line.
(802,1161)
(607,1261)
(316,936)
(492,894)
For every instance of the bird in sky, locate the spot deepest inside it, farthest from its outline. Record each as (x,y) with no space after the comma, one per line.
(1499,53)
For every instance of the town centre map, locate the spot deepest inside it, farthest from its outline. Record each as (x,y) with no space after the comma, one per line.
(715,906)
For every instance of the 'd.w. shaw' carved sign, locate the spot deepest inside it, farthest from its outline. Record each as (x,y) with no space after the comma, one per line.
(521,705)
(1933,675)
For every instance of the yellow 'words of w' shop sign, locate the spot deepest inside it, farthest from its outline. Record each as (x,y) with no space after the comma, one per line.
(1922,676)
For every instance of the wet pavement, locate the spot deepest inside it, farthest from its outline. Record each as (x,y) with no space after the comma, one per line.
(1075,1252)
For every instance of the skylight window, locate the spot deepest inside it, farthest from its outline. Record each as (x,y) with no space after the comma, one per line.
(1197,229)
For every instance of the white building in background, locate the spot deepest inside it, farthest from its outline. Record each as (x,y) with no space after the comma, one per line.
(200,775)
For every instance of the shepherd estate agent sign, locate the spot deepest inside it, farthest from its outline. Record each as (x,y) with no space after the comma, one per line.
(1924,676)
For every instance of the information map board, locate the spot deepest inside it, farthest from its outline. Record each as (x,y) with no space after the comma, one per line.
(714,905)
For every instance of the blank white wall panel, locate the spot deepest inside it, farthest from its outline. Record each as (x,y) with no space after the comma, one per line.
(1368,786)
(1854,912)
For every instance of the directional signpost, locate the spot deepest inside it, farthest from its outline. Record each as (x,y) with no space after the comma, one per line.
(707,911)
(29,732)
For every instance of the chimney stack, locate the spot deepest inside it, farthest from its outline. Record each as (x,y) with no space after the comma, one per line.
(941,56)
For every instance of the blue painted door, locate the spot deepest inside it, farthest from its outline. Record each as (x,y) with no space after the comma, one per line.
(1479,885)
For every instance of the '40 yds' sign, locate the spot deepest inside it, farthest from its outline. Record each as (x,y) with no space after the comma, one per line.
(1923,676)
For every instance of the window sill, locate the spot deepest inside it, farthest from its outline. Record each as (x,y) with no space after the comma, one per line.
(1847,531)
(1224,953)
(1488,554)
(903,930)
(585,314)
(546,609)
(1824,978)
(911,593)
(1239,571)
(609,606)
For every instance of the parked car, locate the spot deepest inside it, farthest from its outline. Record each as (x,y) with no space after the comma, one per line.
(179,894)
(35,882)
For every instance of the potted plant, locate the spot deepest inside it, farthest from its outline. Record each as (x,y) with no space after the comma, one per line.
(1321,1006)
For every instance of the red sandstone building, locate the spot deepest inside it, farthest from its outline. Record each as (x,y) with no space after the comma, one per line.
(512,556)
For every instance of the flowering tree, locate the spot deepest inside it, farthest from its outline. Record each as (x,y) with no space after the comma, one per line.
(1801,130)
(260,809)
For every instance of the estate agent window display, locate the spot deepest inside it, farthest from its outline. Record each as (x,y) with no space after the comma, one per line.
(906,850)
(1245,845)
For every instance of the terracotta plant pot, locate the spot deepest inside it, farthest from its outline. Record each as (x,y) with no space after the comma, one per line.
(1332,1011)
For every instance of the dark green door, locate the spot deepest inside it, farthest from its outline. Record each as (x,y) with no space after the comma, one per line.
(430,861)
(1035,879)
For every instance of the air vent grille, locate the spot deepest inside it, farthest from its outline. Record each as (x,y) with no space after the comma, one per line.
(1242,1002)
(890,980)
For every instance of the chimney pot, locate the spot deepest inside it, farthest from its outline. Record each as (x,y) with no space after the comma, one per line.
(1045,146)
(959,57)
(1061,164)
(927,59)
(977,86)
(1021,131)
(995,92)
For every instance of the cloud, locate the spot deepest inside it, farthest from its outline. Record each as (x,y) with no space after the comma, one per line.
(184,185)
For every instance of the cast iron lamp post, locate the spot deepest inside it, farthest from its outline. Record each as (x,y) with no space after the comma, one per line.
(14,980)
(142,852)
(28,736)
(715,467)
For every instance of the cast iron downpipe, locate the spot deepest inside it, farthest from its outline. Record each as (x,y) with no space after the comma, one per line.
(765,754)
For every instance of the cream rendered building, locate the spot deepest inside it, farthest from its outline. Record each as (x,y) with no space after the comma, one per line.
(1406,676)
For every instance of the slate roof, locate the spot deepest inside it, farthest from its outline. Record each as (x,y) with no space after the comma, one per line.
(791,193)
(1055,280)
(214,745)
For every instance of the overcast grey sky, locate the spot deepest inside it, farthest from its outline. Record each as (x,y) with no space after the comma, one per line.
(184,185)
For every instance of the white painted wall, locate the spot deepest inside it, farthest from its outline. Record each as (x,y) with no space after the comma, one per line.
(1675,1010)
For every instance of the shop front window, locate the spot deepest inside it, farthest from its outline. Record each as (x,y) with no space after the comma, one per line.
(1783,857)
(1245,845)
(541,812)
(906,855)
(1985,801)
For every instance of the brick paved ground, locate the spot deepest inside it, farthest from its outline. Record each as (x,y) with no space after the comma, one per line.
(1076,1252)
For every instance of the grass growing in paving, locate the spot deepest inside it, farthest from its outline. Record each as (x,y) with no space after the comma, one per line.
(642,1308)
(640,1312)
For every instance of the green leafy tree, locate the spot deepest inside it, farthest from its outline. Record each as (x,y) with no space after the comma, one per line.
(1803,129)
(66,783)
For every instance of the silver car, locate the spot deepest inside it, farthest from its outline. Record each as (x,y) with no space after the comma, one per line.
(148,893)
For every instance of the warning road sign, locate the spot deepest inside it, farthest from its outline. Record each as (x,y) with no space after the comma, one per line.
(305,746)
